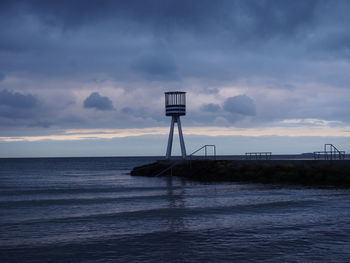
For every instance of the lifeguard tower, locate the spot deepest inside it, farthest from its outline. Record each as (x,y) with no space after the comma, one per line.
(175,106)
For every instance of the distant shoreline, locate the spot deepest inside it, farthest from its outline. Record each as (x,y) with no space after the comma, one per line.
(304,156)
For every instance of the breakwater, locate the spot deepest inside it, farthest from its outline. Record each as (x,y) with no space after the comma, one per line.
(301,172)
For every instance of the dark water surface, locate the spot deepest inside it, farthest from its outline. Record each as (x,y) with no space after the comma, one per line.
(91,210)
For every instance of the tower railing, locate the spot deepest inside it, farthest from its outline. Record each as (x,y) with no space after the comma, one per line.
(205,147)
(258,155)
(330,153)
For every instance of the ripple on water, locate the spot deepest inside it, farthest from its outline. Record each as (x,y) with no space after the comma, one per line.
(90,210)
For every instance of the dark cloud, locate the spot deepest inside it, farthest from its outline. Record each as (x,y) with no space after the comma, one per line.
(270,16)
(17,100)
(156,39)
(146,47)
(240,104)
(156,67)
(211,107)
(266,19)
(336,44)
(98,102)
(17,109)
(157,12)
(225,21)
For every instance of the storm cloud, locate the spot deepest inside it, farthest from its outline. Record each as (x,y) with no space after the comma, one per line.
(289,58)
(162,40)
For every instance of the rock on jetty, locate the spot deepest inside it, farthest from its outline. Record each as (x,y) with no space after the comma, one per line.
(302,172)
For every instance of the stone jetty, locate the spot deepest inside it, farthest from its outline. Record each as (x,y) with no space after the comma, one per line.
(299,172)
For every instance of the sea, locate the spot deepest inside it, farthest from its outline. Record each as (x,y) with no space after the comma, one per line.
(92,210)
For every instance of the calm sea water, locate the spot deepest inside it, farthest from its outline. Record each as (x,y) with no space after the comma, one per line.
(91,210)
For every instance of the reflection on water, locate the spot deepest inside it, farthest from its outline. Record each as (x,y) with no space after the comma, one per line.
(175,198)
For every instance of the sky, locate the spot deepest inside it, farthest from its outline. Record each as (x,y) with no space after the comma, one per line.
(87,78)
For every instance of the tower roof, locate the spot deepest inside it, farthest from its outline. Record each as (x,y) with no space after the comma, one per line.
(175,92)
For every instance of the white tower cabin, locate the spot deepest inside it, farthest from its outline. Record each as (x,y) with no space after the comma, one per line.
(175,106)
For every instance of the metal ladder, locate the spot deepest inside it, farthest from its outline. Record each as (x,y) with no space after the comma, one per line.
(169,168)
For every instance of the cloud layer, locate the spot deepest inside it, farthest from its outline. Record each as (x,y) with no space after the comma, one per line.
(105,64)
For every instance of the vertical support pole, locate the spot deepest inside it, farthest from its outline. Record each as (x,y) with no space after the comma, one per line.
(170,140)
(182,142)
(331,153)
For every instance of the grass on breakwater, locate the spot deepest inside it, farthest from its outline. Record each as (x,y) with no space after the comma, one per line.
(310,172)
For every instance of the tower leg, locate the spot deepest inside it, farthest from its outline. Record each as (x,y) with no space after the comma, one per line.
(170,140)
(182,142)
